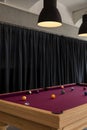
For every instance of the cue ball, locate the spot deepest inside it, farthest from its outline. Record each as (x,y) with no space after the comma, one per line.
(29,92)
(53,96)
(24,98)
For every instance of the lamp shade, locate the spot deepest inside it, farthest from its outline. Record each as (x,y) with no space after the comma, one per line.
(83,27)
(49,16)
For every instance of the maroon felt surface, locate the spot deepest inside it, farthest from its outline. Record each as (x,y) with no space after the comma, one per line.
(42,100)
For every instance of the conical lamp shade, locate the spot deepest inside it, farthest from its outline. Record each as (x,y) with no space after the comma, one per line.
(49,16)
(83,27)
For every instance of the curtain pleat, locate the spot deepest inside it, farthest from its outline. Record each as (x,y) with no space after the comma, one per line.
(30,59)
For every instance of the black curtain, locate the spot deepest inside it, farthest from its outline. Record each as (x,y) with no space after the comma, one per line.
(32,59)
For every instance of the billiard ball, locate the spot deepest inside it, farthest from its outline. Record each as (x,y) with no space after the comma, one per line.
(62,91)
(62,87)
(27,103)
(37,91)
(85,93)
(84,88)
(30,92)
(24,98)
(72,88)
(53,96)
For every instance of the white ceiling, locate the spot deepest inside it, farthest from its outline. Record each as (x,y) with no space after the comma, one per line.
(71,10)
(74,4)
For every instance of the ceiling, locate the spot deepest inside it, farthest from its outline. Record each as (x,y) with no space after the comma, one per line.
(71,10)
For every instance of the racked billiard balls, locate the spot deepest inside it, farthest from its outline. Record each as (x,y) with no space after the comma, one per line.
(53,96)
(24,98)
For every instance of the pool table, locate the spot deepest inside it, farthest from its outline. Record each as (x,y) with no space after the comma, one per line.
(67,110)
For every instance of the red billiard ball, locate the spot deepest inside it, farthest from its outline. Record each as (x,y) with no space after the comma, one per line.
(84,88)
(62,87)
(24,98)
(53,96)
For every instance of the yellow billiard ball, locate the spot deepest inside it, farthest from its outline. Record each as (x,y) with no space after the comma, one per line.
(24,98)
(53,96)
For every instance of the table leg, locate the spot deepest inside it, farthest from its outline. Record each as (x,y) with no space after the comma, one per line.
(3,126)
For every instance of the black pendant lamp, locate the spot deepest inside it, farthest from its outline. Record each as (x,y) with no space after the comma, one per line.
(83,27)
(49,16)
